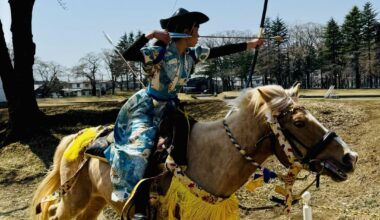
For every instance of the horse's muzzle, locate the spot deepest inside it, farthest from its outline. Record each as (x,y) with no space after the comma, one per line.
(338,170)
(349,161)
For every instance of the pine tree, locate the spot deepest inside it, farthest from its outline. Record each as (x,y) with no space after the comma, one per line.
(368,33)
(119,66)
(351,30)
(377,55)
(332,53)
(279,28)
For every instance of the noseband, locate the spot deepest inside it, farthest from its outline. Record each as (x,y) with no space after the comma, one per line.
(313,152)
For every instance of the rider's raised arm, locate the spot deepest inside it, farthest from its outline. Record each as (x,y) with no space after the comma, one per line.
(227,50)
(234,48)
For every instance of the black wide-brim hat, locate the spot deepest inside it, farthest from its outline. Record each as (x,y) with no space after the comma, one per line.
(183,15)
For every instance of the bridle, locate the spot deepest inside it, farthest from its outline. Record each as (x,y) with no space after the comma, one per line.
(275,125)
(286,140)
(311,152)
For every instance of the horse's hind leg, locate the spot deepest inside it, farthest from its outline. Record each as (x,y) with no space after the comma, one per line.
(93,209)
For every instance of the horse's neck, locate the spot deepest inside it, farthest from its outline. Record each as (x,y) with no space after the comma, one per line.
(214,162)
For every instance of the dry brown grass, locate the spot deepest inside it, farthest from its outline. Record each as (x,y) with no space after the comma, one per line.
(357,122)
(321,92)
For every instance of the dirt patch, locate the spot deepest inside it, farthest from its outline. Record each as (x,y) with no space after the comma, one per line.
(23,165)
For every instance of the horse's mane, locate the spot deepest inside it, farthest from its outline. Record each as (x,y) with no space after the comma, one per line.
(252,100)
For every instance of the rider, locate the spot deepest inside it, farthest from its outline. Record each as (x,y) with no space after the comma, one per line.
(168,63)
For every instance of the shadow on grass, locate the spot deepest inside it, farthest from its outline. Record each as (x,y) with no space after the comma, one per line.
(62,121)
(59,123)
(66,123)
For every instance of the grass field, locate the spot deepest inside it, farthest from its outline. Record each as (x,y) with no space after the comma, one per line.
(321,92)
(121,96)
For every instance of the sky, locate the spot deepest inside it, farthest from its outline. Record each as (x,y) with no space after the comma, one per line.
(65,34)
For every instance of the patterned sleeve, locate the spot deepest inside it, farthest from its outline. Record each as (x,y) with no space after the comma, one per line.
(150,55)
(200,53)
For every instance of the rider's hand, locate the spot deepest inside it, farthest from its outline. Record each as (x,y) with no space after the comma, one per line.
(255,43)
(159,35)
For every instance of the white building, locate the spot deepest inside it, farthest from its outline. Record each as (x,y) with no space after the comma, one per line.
(2,94)
(83,88)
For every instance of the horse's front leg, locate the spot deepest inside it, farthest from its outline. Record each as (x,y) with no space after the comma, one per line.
(93,209)
(75,199)
(99,174)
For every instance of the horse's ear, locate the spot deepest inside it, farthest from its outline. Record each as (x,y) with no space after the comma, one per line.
(294,91)
(264,96)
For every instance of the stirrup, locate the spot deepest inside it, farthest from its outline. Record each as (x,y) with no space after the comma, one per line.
(96,152)
(139,216)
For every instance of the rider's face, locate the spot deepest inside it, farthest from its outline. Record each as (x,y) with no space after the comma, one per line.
(193,40)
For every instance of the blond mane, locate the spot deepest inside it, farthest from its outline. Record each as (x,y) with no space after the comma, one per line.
(262,99)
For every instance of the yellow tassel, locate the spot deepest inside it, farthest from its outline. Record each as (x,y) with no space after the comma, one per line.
(280,190)
(253,184)
(81,141)
(192,207)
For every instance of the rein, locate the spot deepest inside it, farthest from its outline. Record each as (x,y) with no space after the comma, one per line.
(241,149)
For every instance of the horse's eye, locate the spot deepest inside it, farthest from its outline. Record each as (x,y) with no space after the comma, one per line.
(299,124)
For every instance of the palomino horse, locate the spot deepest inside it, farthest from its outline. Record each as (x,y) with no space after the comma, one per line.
(214,163)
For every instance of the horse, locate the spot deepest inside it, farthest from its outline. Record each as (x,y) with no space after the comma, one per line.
(221,155)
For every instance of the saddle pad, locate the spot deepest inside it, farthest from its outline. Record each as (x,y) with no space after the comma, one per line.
(83,138)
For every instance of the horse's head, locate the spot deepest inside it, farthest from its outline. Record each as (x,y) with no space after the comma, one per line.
(311,143)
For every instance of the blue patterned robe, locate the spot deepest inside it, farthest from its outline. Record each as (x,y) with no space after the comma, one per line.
(137,122)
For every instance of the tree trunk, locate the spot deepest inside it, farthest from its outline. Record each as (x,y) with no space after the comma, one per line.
(93,87)
(113,85)
(357,72)
(134,82)
(127,81)
(24,114)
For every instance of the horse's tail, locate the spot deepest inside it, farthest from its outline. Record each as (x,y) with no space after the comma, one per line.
(51,183)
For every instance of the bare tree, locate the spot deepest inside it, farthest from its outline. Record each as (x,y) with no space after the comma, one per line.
(88,68)
(48,73)
(109,56)
(227,67)
(304,42)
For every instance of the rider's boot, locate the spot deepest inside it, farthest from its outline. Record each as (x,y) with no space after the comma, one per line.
(97,148)
(142,203)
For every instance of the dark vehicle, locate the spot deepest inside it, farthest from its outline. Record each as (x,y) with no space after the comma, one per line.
(196,85)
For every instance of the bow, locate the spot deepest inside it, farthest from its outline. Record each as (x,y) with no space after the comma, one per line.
(260,35)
